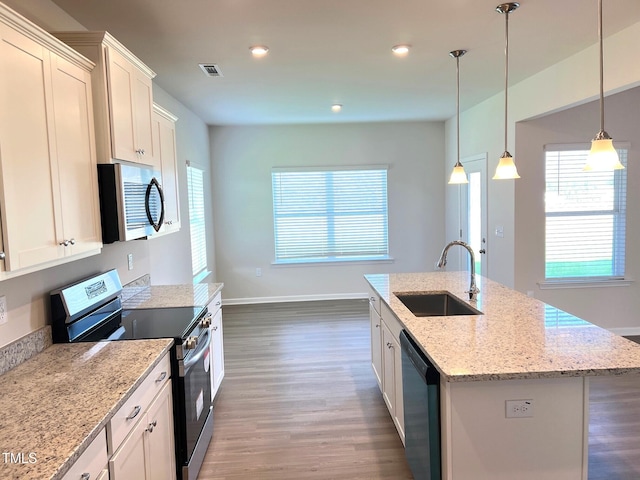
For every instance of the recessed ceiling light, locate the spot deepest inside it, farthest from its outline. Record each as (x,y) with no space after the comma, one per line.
(401,50)
(336,107)
(259,50)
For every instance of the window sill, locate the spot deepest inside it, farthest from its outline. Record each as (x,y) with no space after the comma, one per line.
(591,283)
(331,261)
(201,276)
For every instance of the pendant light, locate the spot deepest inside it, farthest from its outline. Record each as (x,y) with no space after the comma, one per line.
(506,167)
(458,175)
(603,155)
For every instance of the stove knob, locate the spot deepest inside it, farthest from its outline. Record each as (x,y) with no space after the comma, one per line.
(190,343)
(206,321)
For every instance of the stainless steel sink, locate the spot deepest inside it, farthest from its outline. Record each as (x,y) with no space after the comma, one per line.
(435,304)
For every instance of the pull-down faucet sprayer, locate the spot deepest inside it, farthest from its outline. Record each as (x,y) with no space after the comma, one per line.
(473,289)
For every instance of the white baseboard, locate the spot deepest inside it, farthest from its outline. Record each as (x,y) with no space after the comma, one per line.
(625,331)
(294,298)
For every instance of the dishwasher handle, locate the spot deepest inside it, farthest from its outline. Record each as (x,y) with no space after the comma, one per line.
(425,368)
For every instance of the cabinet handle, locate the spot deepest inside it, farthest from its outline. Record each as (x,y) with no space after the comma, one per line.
(218,303)
(85,476)
(135,413)
(377,325)
(64,243)
(152,425)
(389,345)
(140,151)
(72,241)
(2,256)
(215,328)
(162,376)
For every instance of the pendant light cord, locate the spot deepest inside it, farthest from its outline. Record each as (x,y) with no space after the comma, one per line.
(601,66)
(506,74)
(458,109)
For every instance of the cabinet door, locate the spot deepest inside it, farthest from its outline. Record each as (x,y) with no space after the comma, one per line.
(160,437)
(76,157)
(26,175)
(121,104)
(128,462)
(399,402)
(217,353)
(142,116)
(389,372)
(376,344)
(164,135)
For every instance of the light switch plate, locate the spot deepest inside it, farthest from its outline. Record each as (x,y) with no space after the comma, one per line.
(130,261)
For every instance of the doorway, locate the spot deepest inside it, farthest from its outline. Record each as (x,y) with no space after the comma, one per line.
(473,209)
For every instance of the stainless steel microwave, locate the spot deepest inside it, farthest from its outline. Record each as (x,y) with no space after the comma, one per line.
(131,202)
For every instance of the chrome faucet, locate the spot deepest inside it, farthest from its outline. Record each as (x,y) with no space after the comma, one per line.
(473,289)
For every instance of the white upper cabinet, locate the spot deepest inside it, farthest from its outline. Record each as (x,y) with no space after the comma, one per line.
(123,98)
(48,179)
(164,136)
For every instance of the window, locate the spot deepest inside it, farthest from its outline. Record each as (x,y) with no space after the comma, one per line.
(585,217)
(195,186)
(325,215)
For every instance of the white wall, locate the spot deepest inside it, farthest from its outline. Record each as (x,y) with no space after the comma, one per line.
(570,83)
(242,158)
(28,296)
(613,307)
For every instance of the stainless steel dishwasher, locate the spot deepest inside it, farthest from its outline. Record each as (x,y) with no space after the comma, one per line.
(421,398)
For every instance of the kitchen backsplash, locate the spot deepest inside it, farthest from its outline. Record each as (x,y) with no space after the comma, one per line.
(24,348)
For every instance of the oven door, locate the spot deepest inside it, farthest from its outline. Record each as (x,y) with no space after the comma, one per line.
(197,391)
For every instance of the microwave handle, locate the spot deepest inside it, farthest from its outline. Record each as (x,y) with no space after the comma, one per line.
(154,183)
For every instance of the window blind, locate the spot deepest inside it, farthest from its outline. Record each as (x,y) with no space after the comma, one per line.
(195,186)
(330,215)
(585,217)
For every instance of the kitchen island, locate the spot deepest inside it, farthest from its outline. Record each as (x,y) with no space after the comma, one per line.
(518,348)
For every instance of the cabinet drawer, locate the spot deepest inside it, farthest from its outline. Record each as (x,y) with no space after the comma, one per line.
(133,409)
(374,299)
(92,461)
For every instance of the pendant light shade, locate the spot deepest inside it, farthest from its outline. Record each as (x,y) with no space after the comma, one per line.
(603,155)
(506,167)
(458,175)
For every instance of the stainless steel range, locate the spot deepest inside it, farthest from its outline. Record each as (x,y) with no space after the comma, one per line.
(91,310)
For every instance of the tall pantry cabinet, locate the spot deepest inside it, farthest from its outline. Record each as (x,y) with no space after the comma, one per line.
(48,180)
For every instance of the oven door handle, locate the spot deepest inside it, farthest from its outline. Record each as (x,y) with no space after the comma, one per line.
(197,355)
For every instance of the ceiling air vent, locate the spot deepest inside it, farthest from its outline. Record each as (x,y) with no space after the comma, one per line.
(210,69)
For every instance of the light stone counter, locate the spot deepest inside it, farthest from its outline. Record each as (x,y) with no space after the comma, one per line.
(168,296)
(517,337)
(53,405)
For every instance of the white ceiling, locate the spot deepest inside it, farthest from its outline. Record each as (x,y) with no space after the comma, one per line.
(339,51)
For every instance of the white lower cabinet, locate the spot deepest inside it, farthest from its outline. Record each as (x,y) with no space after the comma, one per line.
(386,358)
(91,464)
(216,354)
(141,434)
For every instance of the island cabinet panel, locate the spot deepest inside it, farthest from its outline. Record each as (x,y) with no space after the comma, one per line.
(393,365)
(92,462)
(376,336)
(480,443)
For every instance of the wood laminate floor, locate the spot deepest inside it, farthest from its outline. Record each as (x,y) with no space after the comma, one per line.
(299,401)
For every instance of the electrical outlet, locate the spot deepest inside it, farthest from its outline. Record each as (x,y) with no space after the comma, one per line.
(3,310)
(519,408)
(130,261)
(258,272)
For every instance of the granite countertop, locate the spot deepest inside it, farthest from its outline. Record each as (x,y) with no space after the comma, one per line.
(56,403)
(169,296)
(516,337)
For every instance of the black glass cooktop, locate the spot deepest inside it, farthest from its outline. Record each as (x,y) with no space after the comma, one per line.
(145,323)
